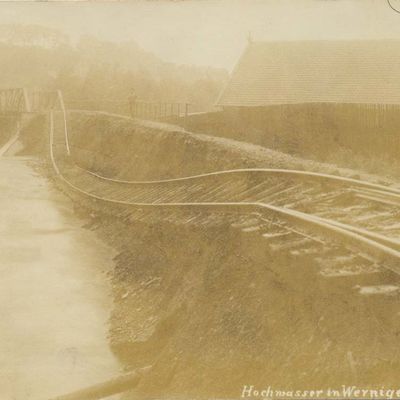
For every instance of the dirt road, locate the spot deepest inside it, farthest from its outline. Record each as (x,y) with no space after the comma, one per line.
(54,294)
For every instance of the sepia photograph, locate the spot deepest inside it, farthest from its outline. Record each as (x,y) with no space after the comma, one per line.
(200,200)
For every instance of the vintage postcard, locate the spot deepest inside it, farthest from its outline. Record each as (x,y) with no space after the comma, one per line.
(200,199)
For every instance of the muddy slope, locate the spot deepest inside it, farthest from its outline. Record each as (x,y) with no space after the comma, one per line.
(348,135)
(119,147)
(33,134)
(212,308)
(8,127)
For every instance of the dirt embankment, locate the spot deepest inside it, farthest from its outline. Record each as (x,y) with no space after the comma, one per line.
(116,147)
(347,135)
(32,138)
(211,308)
(7,128)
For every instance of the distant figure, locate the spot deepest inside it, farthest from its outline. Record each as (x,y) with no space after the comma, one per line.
(132,103)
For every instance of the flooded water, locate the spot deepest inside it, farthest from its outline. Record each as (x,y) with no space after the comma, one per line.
(54,295)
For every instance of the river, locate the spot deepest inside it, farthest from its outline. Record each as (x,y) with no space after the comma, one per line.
(54,295)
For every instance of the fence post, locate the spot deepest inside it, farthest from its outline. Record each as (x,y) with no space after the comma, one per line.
(26,99)
(60,99)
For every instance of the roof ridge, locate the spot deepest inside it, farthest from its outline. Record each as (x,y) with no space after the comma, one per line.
(346,40)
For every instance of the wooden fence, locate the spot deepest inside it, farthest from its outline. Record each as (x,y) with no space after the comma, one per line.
(156,111)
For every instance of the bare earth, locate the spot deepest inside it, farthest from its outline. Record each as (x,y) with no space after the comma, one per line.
(54,294)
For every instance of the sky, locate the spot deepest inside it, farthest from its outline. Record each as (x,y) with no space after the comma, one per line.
(210,32)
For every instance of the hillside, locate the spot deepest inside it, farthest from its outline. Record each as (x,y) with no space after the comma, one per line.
(96,70)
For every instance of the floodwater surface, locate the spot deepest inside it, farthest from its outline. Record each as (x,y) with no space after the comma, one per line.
(54,295)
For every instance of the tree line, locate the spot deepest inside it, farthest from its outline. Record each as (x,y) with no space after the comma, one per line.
(94,70)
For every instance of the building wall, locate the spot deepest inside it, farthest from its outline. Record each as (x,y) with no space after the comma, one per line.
(328,132)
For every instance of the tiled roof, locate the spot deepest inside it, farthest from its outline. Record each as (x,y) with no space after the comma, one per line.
(362,71)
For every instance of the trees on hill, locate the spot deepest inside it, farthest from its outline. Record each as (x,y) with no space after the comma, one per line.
(94,70)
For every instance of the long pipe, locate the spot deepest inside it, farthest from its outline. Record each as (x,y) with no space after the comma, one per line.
(108,388)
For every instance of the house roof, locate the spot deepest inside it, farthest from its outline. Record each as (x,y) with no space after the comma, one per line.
(362,71)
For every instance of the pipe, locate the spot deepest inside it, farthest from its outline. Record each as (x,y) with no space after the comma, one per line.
(108,388)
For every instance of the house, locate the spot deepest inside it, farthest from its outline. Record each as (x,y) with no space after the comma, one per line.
(313,98)
(303,72)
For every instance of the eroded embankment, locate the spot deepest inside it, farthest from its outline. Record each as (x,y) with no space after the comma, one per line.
(214,309)
(23,135)
(7,127)
(211,308)
(118,148)
(347,135)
